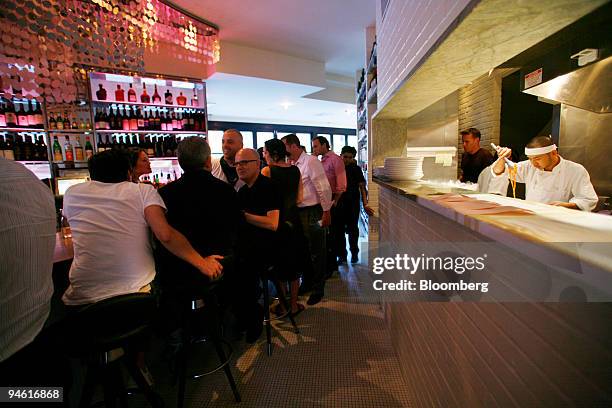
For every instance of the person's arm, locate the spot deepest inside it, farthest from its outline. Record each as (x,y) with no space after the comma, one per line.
(268,221)
(584,195)
(300,193)
(321,185)
(340,179)
(177,244)
(364,198)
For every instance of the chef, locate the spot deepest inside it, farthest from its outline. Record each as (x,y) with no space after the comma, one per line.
(548,177)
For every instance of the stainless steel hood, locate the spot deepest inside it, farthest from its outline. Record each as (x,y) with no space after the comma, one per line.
(589,87)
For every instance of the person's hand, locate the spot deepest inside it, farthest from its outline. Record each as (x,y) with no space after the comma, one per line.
(211,267)
(326,219)
(564,204)
(502,153)
(368,210)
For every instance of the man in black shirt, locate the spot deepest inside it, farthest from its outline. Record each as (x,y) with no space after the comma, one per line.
(348,205)
(261,203)
(206,211)
(475,158)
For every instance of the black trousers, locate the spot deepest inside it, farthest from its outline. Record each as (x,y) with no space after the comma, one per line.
(348,214)
(314,275)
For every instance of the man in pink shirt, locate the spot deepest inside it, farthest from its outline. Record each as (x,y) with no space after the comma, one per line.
(336,175)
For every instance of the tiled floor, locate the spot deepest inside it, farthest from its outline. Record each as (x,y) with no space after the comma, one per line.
(341,358)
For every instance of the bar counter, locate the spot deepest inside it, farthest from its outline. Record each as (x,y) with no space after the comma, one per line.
(63,249)
(546,347)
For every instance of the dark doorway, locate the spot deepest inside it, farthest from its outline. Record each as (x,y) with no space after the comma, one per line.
(522,117)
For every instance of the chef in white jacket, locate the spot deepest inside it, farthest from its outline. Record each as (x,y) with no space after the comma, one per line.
(549,178)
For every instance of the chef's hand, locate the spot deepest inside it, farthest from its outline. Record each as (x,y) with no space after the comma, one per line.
(326,219)
(211,267)
(572,206)
(502,153)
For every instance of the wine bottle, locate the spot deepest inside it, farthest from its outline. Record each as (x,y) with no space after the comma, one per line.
(101,93)
(78,150)
(147,121)
(66,120)
(9,154)
(139,120)
(125,119)
(42,149)
(75,125)
(68,150)
(52,124)
(11,118)
(131,94)
(27,149)
(156,97)
(194,101)
(2,113)
(31,115)
(168,97)
(173,123)
(144,97)
(88,148)
(17,148)
(59,122)
(39,115)
(57,150)
(119,94)
(133,120)
(22,116)
(181,100)
(149,147)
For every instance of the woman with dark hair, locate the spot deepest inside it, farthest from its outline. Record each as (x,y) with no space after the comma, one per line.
(290,236)
(140,164)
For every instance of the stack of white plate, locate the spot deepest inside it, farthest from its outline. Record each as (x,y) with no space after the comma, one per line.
(404,168)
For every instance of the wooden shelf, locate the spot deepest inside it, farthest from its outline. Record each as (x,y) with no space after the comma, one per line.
(70,131)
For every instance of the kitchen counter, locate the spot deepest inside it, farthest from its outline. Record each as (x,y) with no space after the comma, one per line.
(541,334)
(559,231)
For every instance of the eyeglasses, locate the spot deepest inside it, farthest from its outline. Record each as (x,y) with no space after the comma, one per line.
(243,162)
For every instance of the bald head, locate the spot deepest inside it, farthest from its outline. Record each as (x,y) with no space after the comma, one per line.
(230,144)
(247,165)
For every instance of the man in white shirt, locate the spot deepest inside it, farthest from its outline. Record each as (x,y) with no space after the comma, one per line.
(110,219)
(314,214)
(27,237)
(549,178)
(223,168)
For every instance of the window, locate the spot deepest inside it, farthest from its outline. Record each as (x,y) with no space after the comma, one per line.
(262,137)
(214,140)
(247,138)
(352,141)
(305,141)
(339,141)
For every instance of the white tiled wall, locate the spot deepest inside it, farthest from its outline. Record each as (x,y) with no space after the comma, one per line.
(408,31)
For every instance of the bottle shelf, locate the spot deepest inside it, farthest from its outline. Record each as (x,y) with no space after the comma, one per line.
(86,131)
(167,132)
(32,162)
(159,105)
(21,129)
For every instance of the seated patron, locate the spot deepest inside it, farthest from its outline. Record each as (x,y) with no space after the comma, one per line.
(111,220)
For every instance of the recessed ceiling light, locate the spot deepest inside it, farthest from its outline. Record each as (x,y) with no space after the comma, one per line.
(286,105)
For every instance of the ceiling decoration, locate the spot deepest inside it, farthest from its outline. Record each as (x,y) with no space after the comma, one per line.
(45,44)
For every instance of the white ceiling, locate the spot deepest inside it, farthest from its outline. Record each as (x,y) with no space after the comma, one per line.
(237,98)
(330,31)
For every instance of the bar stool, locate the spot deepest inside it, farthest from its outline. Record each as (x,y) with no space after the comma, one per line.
(265,277)
(206,305)
(104,334)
